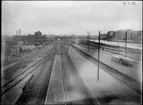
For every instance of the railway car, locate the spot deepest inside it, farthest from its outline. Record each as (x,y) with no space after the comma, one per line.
(91,43)
(122,60)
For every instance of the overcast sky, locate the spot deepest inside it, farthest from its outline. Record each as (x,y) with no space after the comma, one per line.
(66,17)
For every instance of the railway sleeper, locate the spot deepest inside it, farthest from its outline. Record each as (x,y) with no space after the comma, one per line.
(89,99)
(125,98)
(26,89)
(32,89)
(118,75)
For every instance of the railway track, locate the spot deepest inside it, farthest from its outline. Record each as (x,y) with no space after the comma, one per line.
(135,85)
(107,96)
(114,50)
(69,70)
(14,75)
(13,82)
(95,44)
(129,82)
(62,90)
(26,60)
(34,91)
(114,96)
(20,66)
(8,85)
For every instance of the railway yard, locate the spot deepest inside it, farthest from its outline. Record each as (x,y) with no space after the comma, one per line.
(66,73)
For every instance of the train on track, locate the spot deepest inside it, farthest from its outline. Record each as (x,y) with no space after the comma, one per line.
(116,58)
(91,43)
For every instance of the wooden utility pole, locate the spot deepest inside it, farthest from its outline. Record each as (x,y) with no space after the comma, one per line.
(118,39)
(88,33)
(71,42)
(16,33)
(98,56)
(18,49)
(74,38)
(126,37)
(88,42)
(19,31)
(18,43)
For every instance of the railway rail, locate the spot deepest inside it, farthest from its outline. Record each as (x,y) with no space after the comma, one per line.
(107,95)
(69,68)
(15,74)
(23,60)
(94,45)
(36,88)
(75,88)
(118,93)
(135,85)
(8,73)
(8,85)
(114,50)
(124,78)
(118,46)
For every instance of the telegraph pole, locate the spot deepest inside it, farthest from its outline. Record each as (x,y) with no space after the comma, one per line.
(88,42)
(118,39)
(126,37)
(71,42)
(17,43)
(88,33)
(98,56)
(18,33)
(74,38)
